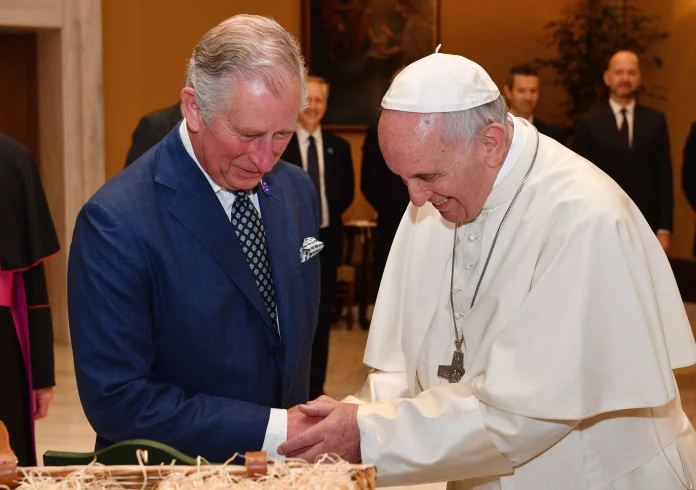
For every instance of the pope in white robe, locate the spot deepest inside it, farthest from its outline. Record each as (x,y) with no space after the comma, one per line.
(575,328)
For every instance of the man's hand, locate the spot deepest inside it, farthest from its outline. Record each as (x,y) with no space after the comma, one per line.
(42,399)
(304,417)
(338,433)
(664,238)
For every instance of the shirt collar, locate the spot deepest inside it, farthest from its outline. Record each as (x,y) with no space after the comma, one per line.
(303,134)
(616,107)
(519,137)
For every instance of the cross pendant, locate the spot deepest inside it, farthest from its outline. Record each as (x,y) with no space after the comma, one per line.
(452,372)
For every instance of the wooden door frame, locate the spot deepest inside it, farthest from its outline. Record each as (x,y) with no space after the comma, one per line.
(71,118)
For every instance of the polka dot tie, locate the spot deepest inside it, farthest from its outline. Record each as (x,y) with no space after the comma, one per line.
(249,229)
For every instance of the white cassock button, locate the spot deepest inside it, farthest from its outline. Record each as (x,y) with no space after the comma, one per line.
(471,238)
(457,290)
(468,265)
(458,316)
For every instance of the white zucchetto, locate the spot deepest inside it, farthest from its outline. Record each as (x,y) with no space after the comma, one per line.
(440,83)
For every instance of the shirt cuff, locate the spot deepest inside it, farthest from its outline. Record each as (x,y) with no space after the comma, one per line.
(276,433)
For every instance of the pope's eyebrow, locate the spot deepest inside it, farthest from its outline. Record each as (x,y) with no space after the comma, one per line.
(428,176)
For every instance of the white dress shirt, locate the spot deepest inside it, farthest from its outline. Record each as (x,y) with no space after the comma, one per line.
(277,429)
(303,141)
(630,111)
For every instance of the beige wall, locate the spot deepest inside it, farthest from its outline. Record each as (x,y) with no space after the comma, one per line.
(147,42)
(678,74)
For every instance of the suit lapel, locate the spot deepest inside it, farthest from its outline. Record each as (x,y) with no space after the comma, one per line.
(198,209)
(610,129)
(329,154)
(292,152)
(639,126)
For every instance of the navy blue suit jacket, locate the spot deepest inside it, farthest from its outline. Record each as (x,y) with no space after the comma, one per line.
(171,338)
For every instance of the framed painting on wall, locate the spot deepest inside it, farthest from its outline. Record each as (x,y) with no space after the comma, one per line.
(357,45)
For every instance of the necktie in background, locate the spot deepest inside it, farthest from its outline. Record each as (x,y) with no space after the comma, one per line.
(313,171)
(623,132)
(249,229)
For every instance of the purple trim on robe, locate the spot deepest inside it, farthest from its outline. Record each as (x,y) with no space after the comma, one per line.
(12,294)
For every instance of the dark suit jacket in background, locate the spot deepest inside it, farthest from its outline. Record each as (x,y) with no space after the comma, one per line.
(151,129)
(386,193)
(550,130)
(645,171)
(689,171)
(339,183)
(171,337)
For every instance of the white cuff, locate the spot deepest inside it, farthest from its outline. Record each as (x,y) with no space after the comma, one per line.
(276,433)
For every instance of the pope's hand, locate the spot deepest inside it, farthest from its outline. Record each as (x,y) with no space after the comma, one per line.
(338,433)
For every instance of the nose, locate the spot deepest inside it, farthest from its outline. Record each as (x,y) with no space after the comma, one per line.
(418,195)
(262,156)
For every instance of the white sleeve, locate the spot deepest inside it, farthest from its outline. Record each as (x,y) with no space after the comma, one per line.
(381,385)
(440,435)
(276,432)
(522,438)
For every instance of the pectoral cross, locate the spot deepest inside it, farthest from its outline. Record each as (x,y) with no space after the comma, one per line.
(452,372)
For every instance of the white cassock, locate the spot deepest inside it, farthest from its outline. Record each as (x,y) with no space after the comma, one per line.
(569,348)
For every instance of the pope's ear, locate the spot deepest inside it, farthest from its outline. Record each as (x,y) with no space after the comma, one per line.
(495,144)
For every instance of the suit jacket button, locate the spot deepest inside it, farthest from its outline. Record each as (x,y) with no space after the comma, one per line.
(273,351)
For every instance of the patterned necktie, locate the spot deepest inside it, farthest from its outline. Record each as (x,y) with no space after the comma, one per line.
(313,170)
(624,131)
(249,229)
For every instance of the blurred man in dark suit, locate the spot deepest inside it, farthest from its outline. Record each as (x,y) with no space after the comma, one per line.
(386,192)
(326,158)
(522,93)
(689,171)
(630,143)
(151,129)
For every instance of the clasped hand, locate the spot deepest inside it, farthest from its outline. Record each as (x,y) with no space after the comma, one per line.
(323,426)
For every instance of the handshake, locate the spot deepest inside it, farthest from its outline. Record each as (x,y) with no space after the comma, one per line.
(323,426)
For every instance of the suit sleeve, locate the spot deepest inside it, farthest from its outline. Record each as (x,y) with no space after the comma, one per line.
(411,440)
(372,170)
(141,142)
(40,327)
(582,140)
(110,297)
(664,176)
(689,168)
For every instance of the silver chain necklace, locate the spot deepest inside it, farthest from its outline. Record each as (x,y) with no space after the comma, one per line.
(455,371)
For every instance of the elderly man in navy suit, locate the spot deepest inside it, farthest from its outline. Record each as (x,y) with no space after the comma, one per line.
(193,280)
(326,157)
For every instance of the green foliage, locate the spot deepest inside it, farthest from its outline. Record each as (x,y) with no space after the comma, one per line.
(588,34)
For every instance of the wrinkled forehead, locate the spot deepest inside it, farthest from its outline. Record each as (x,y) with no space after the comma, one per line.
(408,124)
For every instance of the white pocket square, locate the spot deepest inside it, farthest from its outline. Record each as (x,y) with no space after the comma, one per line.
(310,247)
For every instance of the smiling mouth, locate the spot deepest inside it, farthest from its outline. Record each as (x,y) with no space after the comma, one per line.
(440,203)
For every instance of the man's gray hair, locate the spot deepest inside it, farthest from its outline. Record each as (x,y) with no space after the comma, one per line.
(464,127)
(243,47)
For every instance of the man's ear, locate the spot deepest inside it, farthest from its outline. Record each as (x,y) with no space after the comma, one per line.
(494,144)
(192,112)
